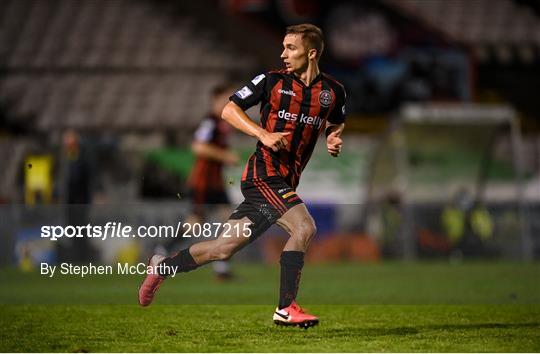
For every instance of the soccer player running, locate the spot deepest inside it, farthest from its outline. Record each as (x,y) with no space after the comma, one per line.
(298,103)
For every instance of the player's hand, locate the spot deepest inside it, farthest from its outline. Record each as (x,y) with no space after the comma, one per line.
(275,141)
(334,143)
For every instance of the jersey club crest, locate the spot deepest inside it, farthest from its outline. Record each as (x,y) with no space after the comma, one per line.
(325,98)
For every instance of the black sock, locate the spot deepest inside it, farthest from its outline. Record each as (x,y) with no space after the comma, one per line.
(291,269)
(183,261)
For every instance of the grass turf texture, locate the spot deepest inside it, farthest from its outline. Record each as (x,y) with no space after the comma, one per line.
(470,307)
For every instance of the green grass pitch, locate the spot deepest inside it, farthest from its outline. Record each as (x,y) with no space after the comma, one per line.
(468,307)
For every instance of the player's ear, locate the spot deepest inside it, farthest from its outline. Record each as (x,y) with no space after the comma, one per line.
(312,54)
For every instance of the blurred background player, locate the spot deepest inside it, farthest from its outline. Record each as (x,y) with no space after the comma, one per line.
(79,182)
(206,182)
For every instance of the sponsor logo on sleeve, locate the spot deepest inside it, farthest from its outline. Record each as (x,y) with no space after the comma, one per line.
(257,79)
(244,92)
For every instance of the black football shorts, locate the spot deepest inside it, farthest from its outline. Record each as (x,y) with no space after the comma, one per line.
(266,200)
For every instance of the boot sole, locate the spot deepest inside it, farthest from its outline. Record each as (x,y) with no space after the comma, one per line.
(304,325)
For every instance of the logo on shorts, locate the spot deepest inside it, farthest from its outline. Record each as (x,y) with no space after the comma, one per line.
(287,195)
(325,98)
(293,199)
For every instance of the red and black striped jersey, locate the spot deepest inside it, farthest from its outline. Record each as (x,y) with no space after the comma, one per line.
(288,105)
(207,174)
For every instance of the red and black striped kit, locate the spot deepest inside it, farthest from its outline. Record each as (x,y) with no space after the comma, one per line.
(270,178)
(288,105)
(206,182)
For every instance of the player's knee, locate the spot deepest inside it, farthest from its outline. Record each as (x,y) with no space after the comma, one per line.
(311,229)
(305,230)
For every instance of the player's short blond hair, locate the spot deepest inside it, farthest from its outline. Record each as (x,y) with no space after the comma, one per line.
(311,35)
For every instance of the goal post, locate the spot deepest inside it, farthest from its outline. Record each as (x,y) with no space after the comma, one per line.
(431,150)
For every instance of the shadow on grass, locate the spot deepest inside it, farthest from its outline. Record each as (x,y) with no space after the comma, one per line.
(408,331)
(485,326)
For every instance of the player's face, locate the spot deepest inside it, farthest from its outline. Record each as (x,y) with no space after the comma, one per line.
(295,54)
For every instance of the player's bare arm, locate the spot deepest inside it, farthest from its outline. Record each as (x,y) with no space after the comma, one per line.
(213,152)
(235,116)
(333,138)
